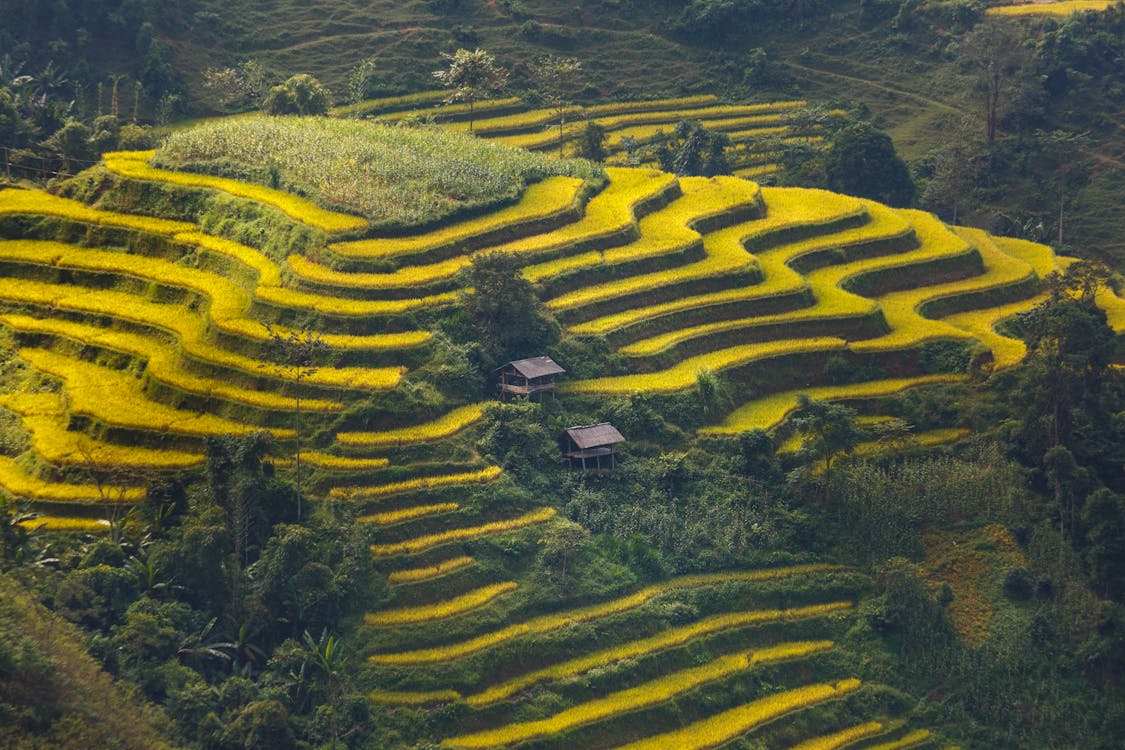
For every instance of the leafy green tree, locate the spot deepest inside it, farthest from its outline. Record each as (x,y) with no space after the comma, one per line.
(504,313)
(862,161)
(562,542)
(827,431)
(592,143)
(692,149)
(471,76)
(72,144)
(1103,523)
(559,79)
(301,94)
(362,81)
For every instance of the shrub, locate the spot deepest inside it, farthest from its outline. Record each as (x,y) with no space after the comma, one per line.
(302,94)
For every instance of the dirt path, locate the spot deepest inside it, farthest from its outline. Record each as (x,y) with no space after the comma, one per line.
(874,85)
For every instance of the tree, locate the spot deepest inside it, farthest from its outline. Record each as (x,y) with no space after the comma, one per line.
(559,80)
(300,95)
(361,80)
(827,430)
(504,314)
(592,143)
(471,76)
(562,542)
(694,150)
(297,352)
(997,58)
(862,161)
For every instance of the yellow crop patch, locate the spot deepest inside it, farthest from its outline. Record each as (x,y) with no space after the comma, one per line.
(768,412)
(330,462)
(423,543)
(134,164)
(840,739)
(428,572)
(419,483)
(685,373)
(1061,8)
(915,738)
(390,517)
(67,523)
(550,623)
(444,426)
(439,610)
(651,693)
(661,641)
(391,102)
(17,482)
(402,698)
(14,201)
(722,728)
(539,201)
(117,399)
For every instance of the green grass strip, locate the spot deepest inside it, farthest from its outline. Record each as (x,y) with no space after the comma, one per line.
(549,623)
(722,728)
(652,693)
(134,165)
(442,610)
(444,426)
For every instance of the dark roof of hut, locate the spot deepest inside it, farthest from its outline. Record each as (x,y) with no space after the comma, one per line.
(535,367)
(593,435)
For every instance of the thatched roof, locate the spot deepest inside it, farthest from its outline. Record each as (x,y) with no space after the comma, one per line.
(535,367)
(594,435)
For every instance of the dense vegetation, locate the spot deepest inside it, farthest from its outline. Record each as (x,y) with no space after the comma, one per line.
(257,492)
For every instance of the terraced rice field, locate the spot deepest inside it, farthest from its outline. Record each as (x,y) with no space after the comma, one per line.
(142,349)
(1062,8)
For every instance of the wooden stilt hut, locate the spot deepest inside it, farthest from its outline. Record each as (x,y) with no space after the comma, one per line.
(592,446)
(529,378)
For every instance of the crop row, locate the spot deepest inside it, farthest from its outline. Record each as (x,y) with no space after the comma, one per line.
(539,201)
(553,622)
(428,572)
(1058,8)
(722,728)
(654,692)
(486,474)
(444,426)
(913,739)
(387,518)
(389,103)
(77,524)
(44,417)
(439,610)
(163,363)
(14,201)
(463,534)
(134,165)
(840,739)
(17,482)
(116,399)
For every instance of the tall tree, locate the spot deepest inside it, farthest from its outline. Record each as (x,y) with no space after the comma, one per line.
(506,317)
(559,80)
(471,76)
(862,161)
(827,431)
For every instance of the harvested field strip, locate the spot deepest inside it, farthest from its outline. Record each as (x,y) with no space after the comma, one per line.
(228,301)
(419,483)
(13,201)
(116,399)
(417,575)
(549,623)
(539,201)
(840,739)
(684,374)
(661,641)
(163,363)
(915,738)
(17,482)
(67,523)
(188,328)
(787,209)
(442,111)
(423,543)
(45,417)
(408,514)
(608,214)
(758,170)
(645,133)
(651,693)
(1063,8)
(439,610)
(134,165)
(767,413)
(722,728)
(444,426)
(665,232)
(926,439)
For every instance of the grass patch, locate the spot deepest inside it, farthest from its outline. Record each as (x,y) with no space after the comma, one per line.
(396,177)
